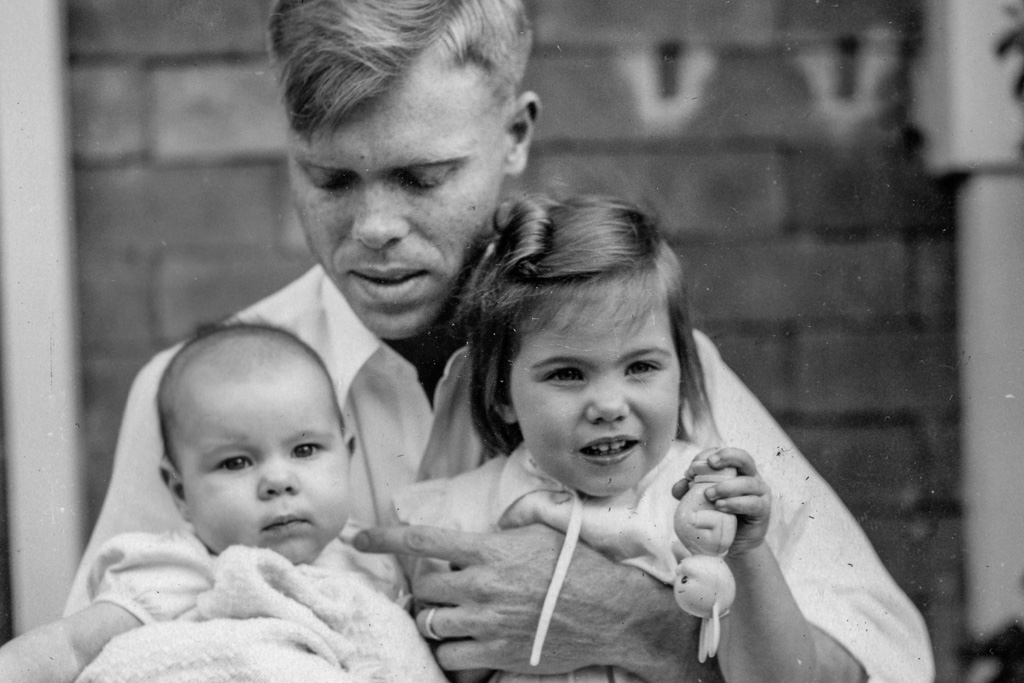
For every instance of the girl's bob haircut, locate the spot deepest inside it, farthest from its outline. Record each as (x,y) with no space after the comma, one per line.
(552,261)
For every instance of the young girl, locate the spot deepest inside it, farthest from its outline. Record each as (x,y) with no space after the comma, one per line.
(585,375)
(257,463)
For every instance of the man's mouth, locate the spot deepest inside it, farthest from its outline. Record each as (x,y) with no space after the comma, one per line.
(389,278)
(608,448)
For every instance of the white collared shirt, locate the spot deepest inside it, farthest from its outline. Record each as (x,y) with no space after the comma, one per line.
(394,434)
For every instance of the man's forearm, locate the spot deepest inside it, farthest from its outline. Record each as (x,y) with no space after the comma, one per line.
(606,614)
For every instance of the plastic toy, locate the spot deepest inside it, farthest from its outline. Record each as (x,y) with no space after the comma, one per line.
(704,585)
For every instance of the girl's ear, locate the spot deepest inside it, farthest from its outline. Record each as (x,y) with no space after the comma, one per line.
(169,473)
(507,414)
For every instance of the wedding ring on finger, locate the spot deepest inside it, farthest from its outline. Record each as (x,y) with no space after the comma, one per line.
(428,625)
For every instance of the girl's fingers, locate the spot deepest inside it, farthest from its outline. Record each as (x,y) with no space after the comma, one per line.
(751,507)
(738,486)
(734,457)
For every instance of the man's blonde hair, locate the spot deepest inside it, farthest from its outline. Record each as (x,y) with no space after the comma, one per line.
(334,55)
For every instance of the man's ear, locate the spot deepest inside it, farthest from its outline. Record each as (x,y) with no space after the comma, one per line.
(169,474)
(520,130)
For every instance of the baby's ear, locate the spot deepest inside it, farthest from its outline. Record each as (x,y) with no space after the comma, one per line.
(171,479)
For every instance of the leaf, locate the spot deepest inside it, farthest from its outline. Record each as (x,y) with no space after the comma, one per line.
(1013,41)
(1004,45)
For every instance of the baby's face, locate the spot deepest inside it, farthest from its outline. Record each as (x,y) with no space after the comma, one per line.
(597,397)
(262,459)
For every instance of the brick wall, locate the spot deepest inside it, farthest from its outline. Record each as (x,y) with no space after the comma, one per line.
(770,135)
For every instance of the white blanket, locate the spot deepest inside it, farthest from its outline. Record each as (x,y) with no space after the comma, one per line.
(266,619)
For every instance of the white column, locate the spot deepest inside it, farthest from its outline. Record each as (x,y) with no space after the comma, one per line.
(991,314)
(963,93)
(39,346)
(974,128)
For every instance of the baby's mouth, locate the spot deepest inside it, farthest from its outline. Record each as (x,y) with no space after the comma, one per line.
(284,523)
(608,448)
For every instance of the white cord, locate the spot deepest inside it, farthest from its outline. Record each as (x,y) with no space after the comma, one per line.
(710,634)
(716,630)
(572,535)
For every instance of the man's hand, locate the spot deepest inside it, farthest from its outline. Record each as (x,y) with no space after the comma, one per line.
(607,613)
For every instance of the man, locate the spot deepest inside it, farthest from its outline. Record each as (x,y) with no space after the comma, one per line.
(405,118)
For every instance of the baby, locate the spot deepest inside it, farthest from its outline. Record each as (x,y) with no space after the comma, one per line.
(259,586)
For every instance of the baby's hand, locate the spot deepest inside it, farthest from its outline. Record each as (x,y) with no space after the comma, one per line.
(746,495)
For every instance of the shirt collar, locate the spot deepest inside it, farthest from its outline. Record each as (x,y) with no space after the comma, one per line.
(353,343)
(522,475)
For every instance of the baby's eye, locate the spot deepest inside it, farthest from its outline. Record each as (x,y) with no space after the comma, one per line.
(565,375)
(236,463)
(305,450)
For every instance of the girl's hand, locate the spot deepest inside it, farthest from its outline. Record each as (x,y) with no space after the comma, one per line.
(746,495)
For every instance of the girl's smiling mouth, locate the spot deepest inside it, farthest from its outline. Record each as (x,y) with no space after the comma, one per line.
(609,448)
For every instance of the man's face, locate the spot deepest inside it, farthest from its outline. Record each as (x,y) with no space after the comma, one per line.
(393,200)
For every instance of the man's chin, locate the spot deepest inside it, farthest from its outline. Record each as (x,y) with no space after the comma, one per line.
(399,325)
(401,315)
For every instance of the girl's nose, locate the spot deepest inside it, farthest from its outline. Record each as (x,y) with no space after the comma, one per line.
(607,405)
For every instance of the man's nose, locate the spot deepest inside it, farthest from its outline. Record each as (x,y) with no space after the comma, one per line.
(606,403)
(277,480)
(379,221)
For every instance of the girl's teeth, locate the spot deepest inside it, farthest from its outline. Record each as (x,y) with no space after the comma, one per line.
(606,446)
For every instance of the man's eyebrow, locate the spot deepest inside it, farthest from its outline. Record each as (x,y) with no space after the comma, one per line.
(310,165)
(416,164)
(428,164)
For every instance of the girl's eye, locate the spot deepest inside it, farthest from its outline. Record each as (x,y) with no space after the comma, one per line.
(641,367)
(565,375)
(236,463)
(305,450)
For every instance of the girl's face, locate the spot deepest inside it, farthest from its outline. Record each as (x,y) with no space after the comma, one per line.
(596,394)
